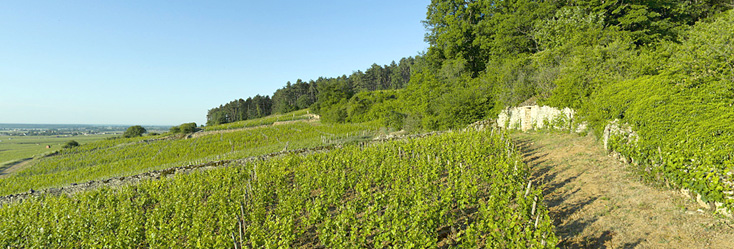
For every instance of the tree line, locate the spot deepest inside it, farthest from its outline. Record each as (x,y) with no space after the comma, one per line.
(302,94)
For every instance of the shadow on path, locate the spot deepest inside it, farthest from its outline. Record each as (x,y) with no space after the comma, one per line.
(595,204)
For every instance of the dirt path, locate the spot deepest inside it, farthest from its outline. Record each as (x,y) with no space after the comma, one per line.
(14,167)
(596,203)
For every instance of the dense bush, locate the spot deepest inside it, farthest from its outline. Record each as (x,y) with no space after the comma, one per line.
(70,144)
(184,128)
(134,131)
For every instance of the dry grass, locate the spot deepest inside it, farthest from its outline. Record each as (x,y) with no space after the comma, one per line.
(596,203)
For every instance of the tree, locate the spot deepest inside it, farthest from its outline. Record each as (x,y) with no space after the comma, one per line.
(184,128)
(478,31)
(134,131)
(240,109)
(188,128)
(70,144)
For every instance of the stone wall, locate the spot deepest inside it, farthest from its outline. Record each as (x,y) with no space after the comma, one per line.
(615,128)
(539,117)
(626,136)
(535,117)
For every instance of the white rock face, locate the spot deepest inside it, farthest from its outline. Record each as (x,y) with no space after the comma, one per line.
(538,117)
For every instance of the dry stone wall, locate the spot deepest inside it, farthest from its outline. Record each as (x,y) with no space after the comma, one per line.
(616,128)
(616,133)
(534,117)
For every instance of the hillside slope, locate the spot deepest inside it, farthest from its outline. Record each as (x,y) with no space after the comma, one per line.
(463,189)
(595,201)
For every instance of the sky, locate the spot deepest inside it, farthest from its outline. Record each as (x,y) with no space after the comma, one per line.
(168,62)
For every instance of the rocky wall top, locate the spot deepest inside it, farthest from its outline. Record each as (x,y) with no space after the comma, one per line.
(539,117)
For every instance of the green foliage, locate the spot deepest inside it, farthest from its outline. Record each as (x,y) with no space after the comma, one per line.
(486,55)
(683,116)
(331,94)
(134,131)
(394,120)
(184,128)
(413,122)
(462,106)
(314,94)
(460,189)
(648,22)
(252,108)
(431,103)
(478,31)
(375,105)
(510,80)
(707,54)
(285,99)
(641,62)
(584,69)
(685,133)
(70,144)
(560,51)
(571,26)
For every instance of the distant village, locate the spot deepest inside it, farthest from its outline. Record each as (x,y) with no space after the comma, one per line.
(64,130)
(58,133)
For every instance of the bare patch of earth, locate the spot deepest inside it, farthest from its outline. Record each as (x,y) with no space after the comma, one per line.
(14,167)
(596,202)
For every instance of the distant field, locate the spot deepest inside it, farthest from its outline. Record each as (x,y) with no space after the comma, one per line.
(13,148)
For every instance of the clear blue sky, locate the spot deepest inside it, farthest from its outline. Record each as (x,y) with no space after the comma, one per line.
(168,62)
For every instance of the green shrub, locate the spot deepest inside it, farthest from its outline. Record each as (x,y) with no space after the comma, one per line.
(134,131)
(394,120)
(70,144)
(188,128)
(184,128)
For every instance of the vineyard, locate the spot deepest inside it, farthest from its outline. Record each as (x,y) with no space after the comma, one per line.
(466,189)
(123,157)
(269,120)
